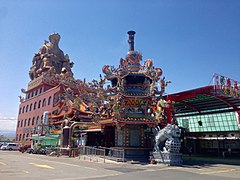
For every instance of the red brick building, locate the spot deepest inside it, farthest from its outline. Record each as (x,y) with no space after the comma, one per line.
(49,68)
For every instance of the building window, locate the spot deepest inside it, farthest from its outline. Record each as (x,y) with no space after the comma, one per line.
(20,137)
(36,92)
(18,123)
(29,120)
(23,109)
(21,123)
(34,106)
(27,136)
(44,102)
(16,137)
(23,137)
(30,108)
(37,122)
(20,110)
(25,122)
(41,90)
(33,119)
(27,108)
(39,104)
(49,100)
(42,118)
(32,94)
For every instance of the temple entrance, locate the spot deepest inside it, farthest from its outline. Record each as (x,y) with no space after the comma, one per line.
(134,135)
(94,138)
(104,138)
(109,136)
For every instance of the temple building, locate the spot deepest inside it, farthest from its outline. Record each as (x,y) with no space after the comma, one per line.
(121,114)
(124,107)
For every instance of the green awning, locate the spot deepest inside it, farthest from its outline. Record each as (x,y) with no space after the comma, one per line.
(47,137)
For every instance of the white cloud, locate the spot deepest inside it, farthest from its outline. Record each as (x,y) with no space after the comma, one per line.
(8,123)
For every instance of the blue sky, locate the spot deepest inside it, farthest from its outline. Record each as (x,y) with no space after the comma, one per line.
(189,39)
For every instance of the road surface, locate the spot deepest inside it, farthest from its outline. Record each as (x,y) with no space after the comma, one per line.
(17,166)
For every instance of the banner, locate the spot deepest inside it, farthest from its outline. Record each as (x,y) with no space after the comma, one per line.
(226,86)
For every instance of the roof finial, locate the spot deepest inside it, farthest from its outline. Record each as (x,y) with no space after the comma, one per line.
(131,40)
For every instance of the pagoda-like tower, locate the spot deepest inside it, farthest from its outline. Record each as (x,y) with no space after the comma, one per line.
(137,102)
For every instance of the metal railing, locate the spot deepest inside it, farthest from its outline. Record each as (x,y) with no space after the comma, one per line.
(114,153)
(59,151)
(97,153)
(91,153)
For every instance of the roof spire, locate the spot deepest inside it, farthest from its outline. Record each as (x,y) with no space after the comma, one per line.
(131,40)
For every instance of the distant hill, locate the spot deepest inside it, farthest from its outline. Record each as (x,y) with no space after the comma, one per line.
(8,134)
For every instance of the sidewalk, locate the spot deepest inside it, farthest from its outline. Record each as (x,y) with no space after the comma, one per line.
(203,160)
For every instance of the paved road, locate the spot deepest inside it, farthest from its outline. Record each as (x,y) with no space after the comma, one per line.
(15,165)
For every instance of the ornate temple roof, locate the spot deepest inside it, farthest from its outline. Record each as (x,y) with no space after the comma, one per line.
(132,96)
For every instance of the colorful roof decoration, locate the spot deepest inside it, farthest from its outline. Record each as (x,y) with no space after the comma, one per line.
(204,100)
(134,96)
